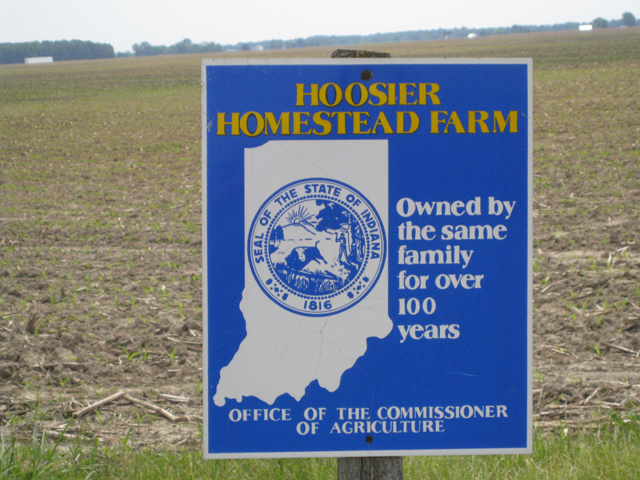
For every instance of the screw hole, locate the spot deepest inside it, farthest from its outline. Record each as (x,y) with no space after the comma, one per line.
(366,75)
(369,439)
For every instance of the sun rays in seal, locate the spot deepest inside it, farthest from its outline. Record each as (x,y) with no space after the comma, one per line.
(299,216)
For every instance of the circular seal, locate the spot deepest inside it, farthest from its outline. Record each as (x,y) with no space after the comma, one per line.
(316,247)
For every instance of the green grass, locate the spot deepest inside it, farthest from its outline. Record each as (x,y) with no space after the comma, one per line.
(611,452)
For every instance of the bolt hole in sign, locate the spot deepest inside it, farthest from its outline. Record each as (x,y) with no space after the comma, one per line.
(367,234)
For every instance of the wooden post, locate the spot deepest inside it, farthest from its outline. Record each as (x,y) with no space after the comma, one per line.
(367,468)
(370,468)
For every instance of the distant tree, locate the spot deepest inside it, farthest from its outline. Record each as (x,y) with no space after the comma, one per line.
(628,19)
(274,44)
(145,49)
(185,46)
(141,49)
(600,23)
(211,47)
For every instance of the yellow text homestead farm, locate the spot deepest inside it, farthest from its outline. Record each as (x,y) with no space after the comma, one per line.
(339,119)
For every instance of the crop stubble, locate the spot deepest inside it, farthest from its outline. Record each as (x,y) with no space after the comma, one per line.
(100,235)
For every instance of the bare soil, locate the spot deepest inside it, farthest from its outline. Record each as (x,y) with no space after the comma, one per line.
(100,244)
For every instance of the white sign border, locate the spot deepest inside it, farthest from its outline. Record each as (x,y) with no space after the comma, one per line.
(205,281)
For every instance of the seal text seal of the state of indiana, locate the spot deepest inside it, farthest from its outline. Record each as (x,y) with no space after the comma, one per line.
(316,247)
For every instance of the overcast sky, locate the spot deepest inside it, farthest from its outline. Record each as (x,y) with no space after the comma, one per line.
(164,22)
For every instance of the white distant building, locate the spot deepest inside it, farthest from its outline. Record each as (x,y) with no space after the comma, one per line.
(31,60)
(585,28)
(472,35)
(258,48)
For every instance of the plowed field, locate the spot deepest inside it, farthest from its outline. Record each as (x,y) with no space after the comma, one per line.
(100,236)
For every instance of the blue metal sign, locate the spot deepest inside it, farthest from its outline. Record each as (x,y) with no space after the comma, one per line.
(367,232)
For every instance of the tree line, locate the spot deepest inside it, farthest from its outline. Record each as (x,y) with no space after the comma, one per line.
(408,36)
(187,46)
(628,20)
(86,50)
(59,50)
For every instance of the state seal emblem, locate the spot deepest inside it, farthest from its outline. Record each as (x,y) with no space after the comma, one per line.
(316,247)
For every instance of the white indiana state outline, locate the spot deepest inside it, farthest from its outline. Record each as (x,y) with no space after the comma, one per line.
(284,352)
